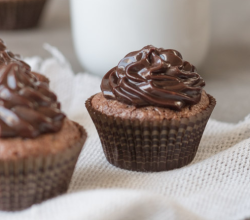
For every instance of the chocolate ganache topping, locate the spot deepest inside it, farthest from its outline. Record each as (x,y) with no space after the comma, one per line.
(154,77)
(7,56)
(27,107)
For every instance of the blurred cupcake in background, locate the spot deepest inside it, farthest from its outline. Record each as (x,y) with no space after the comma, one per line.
(20,14)
(39,145)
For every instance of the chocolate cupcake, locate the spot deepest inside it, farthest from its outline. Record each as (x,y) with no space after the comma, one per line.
(20,14)
(39,146)
(152,111)
(7,56)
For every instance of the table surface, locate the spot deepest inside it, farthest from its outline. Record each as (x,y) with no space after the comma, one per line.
(225,70)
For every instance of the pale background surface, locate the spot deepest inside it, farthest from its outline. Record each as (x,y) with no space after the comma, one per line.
(226,69)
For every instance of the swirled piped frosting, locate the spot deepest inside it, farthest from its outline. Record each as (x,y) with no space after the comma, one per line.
(154,77)
(7,56)
(27,107)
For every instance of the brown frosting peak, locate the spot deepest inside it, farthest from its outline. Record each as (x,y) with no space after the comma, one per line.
(2,45)
(27,107)
(154,77)
(7,56)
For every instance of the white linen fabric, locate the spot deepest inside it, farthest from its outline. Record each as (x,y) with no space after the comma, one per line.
(216,185)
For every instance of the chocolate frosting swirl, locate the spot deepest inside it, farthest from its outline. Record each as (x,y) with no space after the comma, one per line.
(154,77)
(27,107)
(7,56)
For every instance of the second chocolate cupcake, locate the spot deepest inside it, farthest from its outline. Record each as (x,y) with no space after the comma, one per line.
(39,146)
(152,111)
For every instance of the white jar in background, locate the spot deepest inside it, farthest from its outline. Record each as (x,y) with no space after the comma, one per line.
(104,31)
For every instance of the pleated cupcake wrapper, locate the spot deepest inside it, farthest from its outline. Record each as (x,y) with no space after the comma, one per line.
(20,14)
(150,145)
(28,181)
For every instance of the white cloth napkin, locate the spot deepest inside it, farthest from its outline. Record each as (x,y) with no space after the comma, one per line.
(216,185)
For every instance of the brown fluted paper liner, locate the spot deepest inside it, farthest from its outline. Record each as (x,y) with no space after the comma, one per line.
(20,14)
(150,146)
(32,180)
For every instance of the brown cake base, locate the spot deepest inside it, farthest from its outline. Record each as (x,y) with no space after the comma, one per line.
(149,142)
(34,170)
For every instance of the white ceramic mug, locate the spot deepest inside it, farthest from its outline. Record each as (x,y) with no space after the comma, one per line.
(104,31)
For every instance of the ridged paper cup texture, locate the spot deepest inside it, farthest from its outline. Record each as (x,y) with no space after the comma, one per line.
(150,146)
(31,180)
(20,14)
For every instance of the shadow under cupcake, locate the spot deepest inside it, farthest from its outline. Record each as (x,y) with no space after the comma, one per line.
(152,111)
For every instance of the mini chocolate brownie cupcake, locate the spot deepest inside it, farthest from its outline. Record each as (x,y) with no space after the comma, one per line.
(39,146)
(20,14)
(152,111)
(7,56)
